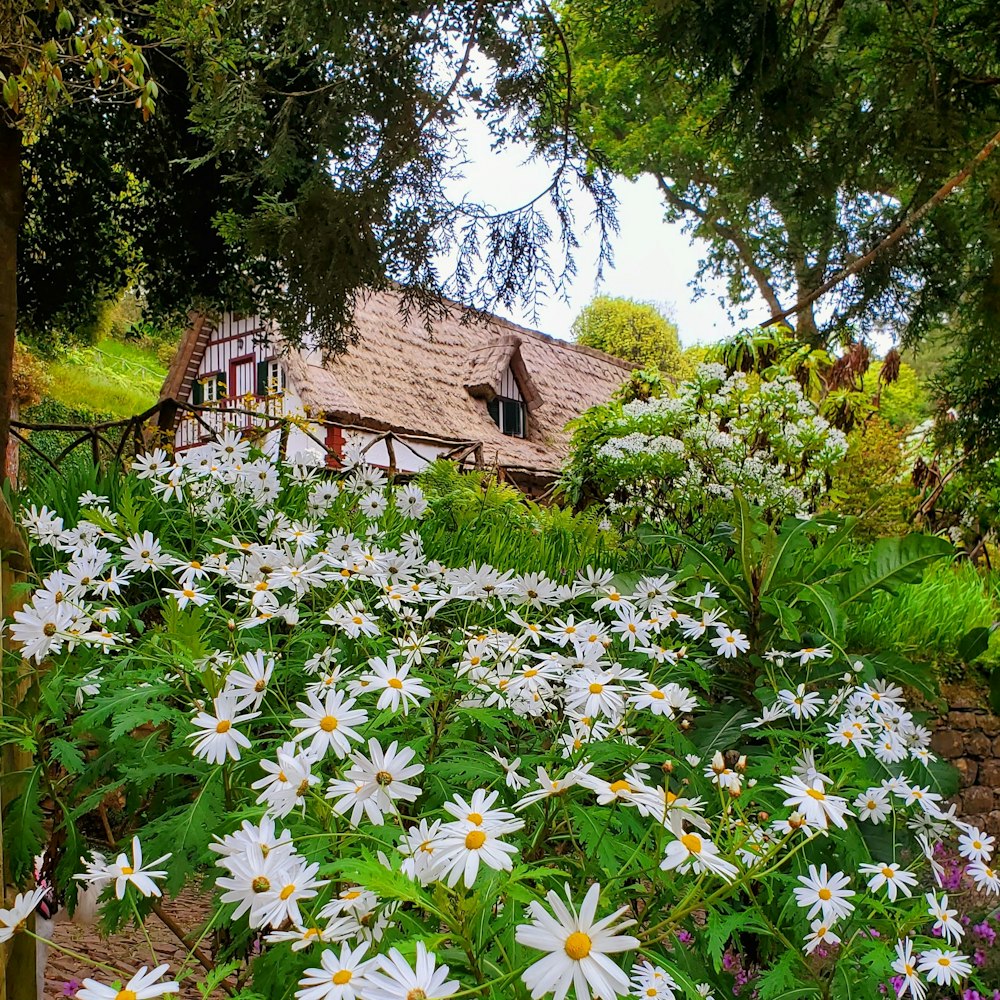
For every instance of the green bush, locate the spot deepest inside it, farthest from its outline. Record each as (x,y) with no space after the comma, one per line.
(868,483)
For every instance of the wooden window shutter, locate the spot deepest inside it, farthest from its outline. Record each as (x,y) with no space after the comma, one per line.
(261,378)
(197,392)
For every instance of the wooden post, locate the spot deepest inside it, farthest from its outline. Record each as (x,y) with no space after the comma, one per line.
(17,957)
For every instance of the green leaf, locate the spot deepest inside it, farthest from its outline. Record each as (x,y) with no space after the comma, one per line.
(893,562)
(721,928)
(67,754)
(975,642)
(782,980)
(23,832)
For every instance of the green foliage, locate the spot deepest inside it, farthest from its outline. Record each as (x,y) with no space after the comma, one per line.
(929,619)
(112,377)
(51,443)
(475,519)
(636,332)
(870,481)
(802,580)
(905,402)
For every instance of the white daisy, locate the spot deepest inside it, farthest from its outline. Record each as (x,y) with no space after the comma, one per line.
(143,985)
(340,977)
(396,980)
(578,946)
(824,894)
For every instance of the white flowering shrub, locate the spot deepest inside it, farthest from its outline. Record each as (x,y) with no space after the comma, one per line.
(675,460)
(405,781)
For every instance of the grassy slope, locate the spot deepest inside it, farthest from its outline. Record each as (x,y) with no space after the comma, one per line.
(114,378)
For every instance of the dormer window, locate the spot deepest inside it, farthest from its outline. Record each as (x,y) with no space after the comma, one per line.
(499,377)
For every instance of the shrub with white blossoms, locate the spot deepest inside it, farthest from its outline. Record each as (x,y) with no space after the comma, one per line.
(675,460)
(406,781)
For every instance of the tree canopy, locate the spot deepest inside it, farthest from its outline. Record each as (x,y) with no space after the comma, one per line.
(794,136)
(282,161)
(636,332)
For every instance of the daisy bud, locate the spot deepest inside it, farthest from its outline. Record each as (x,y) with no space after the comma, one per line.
(718,764)
(763,817)
(231,624)
(752,783)
(741,764)
(796,821)
(667,767)
(735,791)
(685,724)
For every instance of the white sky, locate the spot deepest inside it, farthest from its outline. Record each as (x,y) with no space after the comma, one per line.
(653,260)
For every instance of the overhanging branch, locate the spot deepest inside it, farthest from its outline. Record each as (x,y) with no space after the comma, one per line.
(912,218)
(729,234)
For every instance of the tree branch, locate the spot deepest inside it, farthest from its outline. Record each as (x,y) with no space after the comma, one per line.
(727,233)
(893,238)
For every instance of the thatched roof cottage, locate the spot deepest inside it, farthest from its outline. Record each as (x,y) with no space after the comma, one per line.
(483,390)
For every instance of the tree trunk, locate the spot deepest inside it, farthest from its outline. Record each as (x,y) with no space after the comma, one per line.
(11,211)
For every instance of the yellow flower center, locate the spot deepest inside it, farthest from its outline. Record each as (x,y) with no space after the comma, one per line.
(825,894)
(126,995)
(342,977)
(416,994)
(261,884)
(259,686)
(530,673)
(383,778)
(944,960)
(395,682)
(287,891)
(475,839)
(658,695)
(692,842)
(577,946)
(127,871)
(596,688)
(620,786)
(475,818)
(815,793)
(328,723)
(353,894)
(223,726)
(888,872)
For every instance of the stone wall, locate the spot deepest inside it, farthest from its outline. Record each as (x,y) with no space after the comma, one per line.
(969,737)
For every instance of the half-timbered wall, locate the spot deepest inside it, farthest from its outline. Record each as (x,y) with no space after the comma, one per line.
(234,350)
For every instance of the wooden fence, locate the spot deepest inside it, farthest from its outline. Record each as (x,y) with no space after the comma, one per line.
(111,443)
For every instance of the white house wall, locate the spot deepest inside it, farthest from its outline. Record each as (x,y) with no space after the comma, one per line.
(235,339)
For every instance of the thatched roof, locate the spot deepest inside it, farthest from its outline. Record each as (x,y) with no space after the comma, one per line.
(404,378)
(401,377)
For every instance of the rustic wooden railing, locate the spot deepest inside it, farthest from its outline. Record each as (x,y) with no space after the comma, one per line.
(110,443)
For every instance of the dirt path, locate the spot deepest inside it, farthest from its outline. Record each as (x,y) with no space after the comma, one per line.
(127,951)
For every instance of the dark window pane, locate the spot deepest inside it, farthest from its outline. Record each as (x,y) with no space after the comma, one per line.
(493,408)
(513,418)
